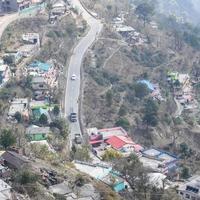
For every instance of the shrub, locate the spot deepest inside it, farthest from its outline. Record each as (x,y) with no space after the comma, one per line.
(111,154)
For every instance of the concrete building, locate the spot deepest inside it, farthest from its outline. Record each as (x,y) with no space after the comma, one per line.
(36,133)
(13,5)
(19,105)
(14,160)
(59,7)
(191,189)
(160,161)
(31,38)
(5,74)
(5,191)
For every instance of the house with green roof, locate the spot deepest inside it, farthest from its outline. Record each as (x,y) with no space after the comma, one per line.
(36,133)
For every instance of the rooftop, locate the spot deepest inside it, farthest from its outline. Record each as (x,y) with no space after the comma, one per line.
(159,155)
(20,101)
(4,186)
(18,105)
(36,129)
(156,179)
(38,79)
(30,36)
(111,179)
(118,142)
(193,185)
(108,132)
(42,66)
(3,68)
(16,160)
(61,188)
(94,171)
(123,28)
(38,104)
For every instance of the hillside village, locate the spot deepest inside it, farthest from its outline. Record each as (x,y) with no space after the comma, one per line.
(126,127)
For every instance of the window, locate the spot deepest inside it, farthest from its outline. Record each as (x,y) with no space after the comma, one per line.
(181,193)
(193,198)
(187,196)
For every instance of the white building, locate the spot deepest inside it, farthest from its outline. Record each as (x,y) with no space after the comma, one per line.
(5,191)
(18,105)
(191,189)
(33,38)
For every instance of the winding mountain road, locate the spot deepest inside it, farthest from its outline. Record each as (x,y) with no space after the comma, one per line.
(73,86)
(6,20)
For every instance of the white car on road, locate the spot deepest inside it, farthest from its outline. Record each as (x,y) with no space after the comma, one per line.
(73,77)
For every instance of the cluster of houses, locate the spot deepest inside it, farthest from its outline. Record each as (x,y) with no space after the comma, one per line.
(163,166)
(130,35)
(29,46)
(45,75)
(7,6)
(183,89)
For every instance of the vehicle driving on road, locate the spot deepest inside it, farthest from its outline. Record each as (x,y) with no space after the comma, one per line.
(73,117)
(73,77)
(77,138)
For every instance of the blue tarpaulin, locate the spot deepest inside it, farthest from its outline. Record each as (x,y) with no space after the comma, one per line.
(42,66)
(148,84)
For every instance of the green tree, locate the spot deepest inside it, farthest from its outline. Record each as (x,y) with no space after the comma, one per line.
(132,170)
(141,90)
(43,119)
(185,173)
(81,153)
(124,123)
(18,117)
(56,110)
(62,125)
(9,60)
(111,154)
(145,11)
(150,113)
(80,181)
(184,148)
(25,176)
(7,139)
(109,97)
(5,94)
(122,110)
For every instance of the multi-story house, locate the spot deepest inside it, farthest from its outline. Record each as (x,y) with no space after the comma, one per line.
(13,5)
(191,189)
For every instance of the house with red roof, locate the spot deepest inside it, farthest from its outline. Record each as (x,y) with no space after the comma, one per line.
(124,144)
(97,137)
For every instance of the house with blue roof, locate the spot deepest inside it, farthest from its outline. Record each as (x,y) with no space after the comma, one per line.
(39,66)
(160,161)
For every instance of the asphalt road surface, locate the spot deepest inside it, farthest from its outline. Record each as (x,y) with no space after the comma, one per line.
(73,86)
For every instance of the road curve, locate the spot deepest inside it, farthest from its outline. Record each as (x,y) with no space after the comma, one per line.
(73,87)
(6,20)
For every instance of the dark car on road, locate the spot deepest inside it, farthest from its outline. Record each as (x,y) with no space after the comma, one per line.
(73,117)
(77,138)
